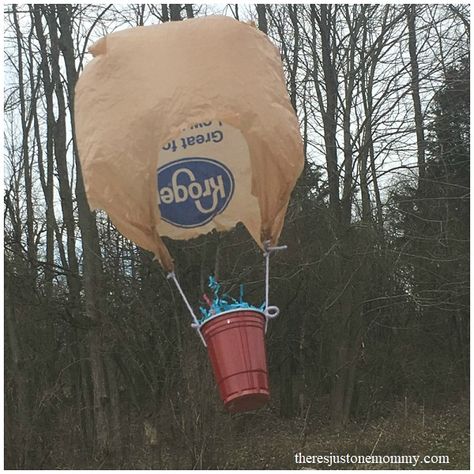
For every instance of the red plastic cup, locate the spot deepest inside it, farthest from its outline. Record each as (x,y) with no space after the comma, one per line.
(236,346)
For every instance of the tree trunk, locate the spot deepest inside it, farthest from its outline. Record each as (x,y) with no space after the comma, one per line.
(19,424)
(410,11)
(262,17)
(47,182)
(175,12)
(165,16)
(60,152)
(347,194)
(189,10)
(287,369)
(25,128)
(325,22)
(293,67)
(105,397)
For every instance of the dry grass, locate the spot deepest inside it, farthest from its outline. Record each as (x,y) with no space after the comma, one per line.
(263,441)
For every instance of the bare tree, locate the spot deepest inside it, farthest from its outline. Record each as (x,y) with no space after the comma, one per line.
(410,11)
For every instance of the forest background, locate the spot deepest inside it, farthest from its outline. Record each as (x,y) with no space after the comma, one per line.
(371,351)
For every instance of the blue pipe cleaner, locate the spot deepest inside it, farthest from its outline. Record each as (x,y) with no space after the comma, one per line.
(225,303)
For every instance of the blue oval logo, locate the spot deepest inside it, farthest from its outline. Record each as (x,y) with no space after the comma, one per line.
(192,191)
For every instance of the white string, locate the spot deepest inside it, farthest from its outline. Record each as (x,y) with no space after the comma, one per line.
(271,312)
(195,323)
(267,277)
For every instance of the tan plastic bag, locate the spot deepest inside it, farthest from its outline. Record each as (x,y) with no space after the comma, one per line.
(186,127)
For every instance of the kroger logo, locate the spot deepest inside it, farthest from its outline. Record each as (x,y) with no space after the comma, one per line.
(191,191)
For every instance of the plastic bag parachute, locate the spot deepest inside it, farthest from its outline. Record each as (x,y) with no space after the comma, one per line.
(186,127)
